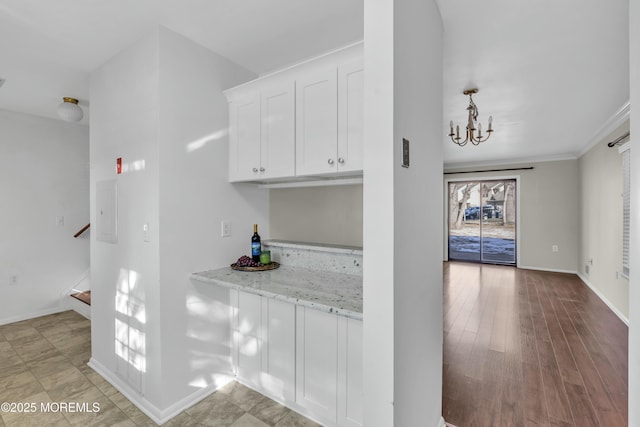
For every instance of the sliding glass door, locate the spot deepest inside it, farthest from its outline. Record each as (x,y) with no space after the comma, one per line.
(482,221)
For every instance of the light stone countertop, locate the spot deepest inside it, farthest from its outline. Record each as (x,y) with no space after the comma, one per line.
(321,290)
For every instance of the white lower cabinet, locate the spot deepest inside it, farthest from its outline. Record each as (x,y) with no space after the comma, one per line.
(350,389)
(317,362)
(279,349)
(263,350)
(246,330)
(307,359)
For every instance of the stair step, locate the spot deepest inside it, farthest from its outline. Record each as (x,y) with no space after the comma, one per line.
(85,297)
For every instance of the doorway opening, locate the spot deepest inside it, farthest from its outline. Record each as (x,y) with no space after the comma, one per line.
(482,221)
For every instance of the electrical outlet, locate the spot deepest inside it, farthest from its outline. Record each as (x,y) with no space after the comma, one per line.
(554,248)
(60,221)
(13,280)
(225,229)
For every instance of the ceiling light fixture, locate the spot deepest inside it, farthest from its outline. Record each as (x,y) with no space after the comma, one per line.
(471,125)
(69,111)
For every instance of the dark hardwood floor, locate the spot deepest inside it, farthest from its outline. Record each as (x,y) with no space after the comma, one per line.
(530,348)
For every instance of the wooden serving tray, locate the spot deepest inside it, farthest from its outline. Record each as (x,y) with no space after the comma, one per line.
(271,266)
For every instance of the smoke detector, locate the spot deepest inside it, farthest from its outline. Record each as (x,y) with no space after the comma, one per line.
(2,81)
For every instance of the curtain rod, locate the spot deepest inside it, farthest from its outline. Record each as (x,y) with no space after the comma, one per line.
(492,170)
(618,140)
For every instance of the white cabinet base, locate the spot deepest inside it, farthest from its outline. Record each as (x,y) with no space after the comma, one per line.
(305,359)
(350,391)
(278,349)
(317,362)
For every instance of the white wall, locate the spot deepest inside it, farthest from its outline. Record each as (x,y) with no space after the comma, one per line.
(194,198)
(600,246)
(402,259)
(124,275)
(634,279)
(417,258)
(44,175)
(317,214)
(549,212)
(172,136)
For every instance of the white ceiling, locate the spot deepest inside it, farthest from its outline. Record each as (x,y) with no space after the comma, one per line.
(552,73)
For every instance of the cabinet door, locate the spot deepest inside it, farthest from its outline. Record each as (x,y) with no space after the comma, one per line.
(317,362)
(278,130)
(247,336)
(350,391)
(279,349)
(350,116)
(244,138)
(317,122)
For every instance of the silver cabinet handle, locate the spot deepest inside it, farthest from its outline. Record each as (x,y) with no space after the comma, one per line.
(340,160)
(330,161)
(262,169)
(255,170)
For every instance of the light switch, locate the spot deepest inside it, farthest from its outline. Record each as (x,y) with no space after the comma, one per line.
(145,229)
(405,153)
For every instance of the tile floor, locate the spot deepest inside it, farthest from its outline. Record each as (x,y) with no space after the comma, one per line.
(45,360)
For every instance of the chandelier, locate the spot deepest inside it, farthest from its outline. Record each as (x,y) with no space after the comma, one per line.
(472,125)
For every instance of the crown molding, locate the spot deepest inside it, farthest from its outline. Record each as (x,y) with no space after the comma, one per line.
(508,162)
(617,119)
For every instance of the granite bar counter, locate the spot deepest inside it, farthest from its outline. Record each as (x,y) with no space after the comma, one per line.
(321,290)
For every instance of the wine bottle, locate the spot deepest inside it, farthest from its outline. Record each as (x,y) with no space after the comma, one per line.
(256,247)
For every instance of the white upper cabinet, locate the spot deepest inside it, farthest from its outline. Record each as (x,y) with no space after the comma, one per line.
(350,115)
(303,121)
(261,132)
(244,137)
(317,122)
(329,119)
(277,146)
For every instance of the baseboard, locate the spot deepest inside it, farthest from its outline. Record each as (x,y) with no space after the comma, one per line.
(550,270)
(604,299)
(33,314)
(65,303)
(159,416)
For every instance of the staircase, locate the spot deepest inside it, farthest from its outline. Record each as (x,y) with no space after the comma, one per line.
(80,301)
